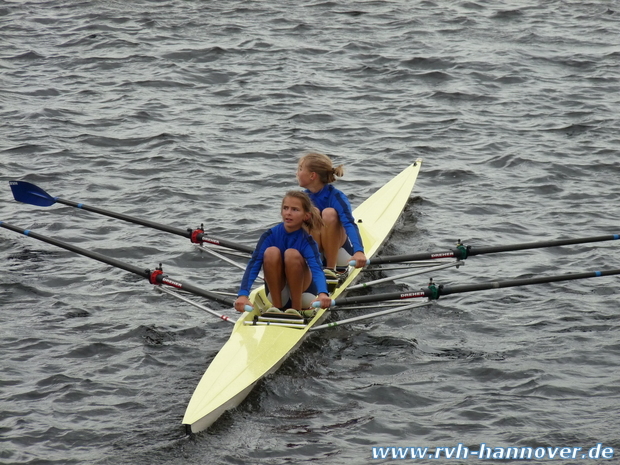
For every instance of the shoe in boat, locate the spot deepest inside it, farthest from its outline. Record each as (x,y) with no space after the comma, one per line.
(308,313)
(292,311)
(330,274)
(273,310)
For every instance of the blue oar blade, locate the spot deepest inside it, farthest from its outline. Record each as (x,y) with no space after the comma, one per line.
(29,193)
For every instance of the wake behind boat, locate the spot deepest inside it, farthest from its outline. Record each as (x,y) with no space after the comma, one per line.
(256,350)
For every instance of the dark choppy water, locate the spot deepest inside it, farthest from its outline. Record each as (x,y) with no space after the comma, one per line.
(186,112)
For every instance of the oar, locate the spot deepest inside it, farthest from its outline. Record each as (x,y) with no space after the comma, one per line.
(434,292)
(369,316)
(154,277)
(29,193)
(461,252)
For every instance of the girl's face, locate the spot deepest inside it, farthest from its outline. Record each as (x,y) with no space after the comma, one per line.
(304,176)
(293,214)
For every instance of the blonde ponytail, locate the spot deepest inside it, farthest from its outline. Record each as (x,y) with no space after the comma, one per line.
(322,165)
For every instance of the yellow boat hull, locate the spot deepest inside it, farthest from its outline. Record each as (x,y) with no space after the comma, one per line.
(254,351)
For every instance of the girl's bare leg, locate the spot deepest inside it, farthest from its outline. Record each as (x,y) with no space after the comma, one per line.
(333,236)
(298,276)
(273,268)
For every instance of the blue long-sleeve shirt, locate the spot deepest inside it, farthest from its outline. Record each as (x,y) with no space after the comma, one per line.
(329,196)
(278,237)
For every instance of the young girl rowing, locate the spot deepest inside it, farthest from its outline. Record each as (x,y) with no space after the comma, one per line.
(290,260)
(339,238)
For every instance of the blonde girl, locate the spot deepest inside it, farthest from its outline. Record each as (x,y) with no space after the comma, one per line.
(290,260)
(339,238)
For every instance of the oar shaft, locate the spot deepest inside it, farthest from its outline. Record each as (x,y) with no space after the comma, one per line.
(162,227)
(29,193)
(369,316)
(163,279)
(447,290)
(197,305)
(131,219)
(471,251)
(540,245)
(145,273)
(87,253)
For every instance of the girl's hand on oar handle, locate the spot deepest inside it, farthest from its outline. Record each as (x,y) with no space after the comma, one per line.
(358,260)
(241,303)
(322,301)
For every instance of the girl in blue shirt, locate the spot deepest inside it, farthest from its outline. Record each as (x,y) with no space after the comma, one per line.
(339,238)
(290,260)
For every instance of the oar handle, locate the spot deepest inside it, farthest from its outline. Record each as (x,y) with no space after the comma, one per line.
(317,304)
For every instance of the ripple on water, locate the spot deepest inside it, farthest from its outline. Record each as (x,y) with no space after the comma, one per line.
(197,113)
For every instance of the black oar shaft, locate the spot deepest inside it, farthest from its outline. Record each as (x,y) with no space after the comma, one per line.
(540,245)
(162,227)
(224,243)
(145,273)
(163,279)
(447,290)
(131,219)
(471,251)
(87,253)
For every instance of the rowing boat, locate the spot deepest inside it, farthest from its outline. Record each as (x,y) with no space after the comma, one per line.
(255,350)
